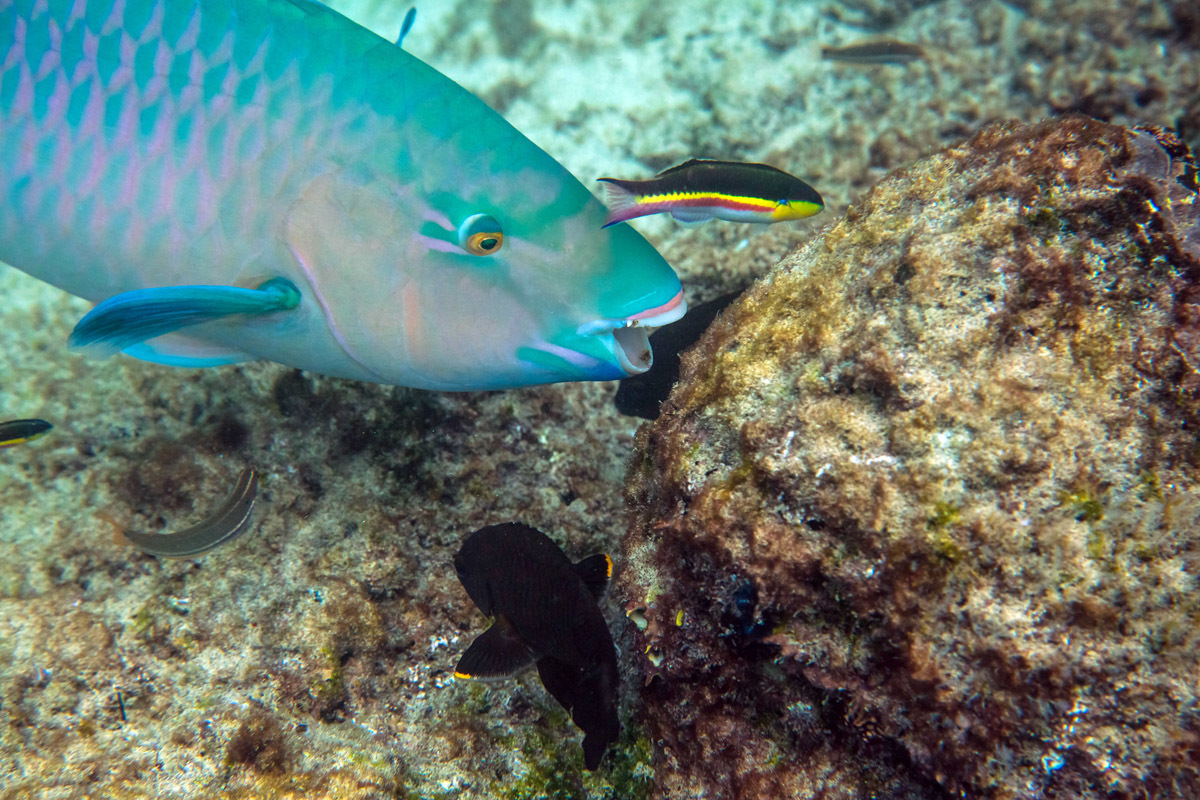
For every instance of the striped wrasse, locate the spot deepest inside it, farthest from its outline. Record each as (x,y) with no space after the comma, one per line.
(264,179)
(703,189)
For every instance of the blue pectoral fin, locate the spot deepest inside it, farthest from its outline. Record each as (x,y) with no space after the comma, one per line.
(127,320)
(179,350)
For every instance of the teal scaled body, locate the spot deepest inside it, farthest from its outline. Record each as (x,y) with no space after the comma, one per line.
(264,179)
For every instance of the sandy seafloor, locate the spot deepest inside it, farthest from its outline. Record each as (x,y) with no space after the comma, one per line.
(313,656)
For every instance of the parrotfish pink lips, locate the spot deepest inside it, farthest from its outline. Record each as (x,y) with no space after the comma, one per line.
(668,312)
(631,336)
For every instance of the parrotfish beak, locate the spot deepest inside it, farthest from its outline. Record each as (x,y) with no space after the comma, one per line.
(631,335)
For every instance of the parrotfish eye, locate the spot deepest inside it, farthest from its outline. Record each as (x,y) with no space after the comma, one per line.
(480,235)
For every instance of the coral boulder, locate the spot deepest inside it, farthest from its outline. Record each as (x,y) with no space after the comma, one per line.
(922,517)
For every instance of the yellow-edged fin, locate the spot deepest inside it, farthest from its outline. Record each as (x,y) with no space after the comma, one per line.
(22,431)
(595,572)
(496,653)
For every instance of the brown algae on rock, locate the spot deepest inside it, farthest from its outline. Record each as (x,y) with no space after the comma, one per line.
(923,442)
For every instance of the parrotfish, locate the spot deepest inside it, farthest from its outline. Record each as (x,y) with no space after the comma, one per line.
(265,179)
(703,189)
(545,611)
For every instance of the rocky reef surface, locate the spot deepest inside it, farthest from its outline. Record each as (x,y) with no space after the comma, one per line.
(922,516)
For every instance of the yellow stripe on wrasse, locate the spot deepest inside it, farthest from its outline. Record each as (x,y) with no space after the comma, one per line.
(779,211)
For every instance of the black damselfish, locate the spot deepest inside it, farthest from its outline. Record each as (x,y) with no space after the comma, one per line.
(546,612)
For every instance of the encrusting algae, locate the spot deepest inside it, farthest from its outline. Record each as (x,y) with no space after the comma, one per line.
(925,441)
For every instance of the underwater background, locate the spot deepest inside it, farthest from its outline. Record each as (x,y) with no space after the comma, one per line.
(923,522)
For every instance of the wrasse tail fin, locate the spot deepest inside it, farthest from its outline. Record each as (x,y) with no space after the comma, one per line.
(497,653)
(595,571)
(622,203)
(129,319)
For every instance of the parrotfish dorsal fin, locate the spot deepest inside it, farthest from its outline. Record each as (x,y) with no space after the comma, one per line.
(595,571)
(406,25)
(133,317)
(497,653)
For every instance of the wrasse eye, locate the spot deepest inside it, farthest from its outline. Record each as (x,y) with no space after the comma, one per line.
(480,235)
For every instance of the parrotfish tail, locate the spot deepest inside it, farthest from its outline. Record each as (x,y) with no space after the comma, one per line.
(622,203)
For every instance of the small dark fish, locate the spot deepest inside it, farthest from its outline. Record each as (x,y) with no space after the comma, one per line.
(231,519)
(20,431)
(643,395)
(876,51)
(702,189)
(546,612)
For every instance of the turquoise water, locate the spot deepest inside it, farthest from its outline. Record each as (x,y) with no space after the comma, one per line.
(313,656)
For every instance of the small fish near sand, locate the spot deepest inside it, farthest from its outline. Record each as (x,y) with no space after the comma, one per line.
(703,189)
(546,612)
(22,431)
(875,51)
(229,521)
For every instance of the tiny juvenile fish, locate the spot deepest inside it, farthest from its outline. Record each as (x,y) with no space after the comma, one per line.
(20,431)
(546,612)
(876,51)
(703,189)
(230,520)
